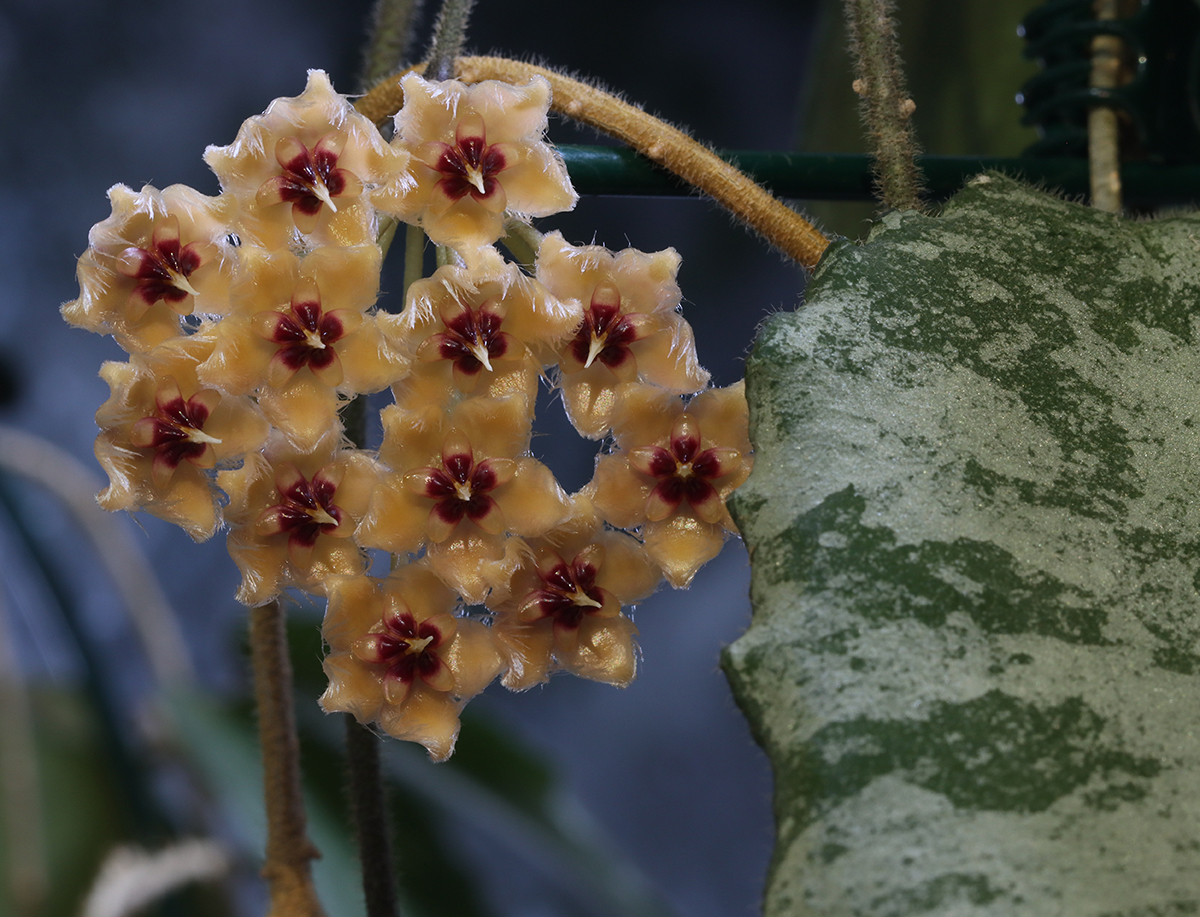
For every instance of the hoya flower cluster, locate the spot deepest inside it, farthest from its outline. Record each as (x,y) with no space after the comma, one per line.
(250,321)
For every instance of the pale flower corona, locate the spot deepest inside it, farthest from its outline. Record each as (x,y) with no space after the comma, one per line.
(252,321)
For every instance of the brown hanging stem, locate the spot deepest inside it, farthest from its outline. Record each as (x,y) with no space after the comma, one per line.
(288,868)
(886,108)
(668,146)
(1104,147)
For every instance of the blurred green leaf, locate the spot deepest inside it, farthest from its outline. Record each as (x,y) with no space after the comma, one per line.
(221,743)
(975,544)
(80,800)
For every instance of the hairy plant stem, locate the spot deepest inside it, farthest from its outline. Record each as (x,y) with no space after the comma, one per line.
(1104,149)
(668,146)
(448,37)
(368,804)
(365,787)
(884,103)
(288,868)
(389,37)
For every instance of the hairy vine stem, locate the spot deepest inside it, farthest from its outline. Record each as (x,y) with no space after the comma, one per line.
(449,33)
(288,867)
(368,804)
(390,34)
(886,108)
(668,146)
(1104,149)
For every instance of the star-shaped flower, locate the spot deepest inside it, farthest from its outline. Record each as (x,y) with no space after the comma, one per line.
(631,328)
(293,514)
(673,471)
(306,510)
(562,608)
(478,150)
(303,334)
(461,487)
(309,180)
(161,430)
(307,170)
(160,255)
(400,658)
(482,331)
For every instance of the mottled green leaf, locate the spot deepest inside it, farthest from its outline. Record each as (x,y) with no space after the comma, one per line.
(975,652)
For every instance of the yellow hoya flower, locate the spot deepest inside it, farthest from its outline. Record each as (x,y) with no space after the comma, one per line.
(630,327)
(461,487)
(160,255)
(306,172)
(484,331)
(302,335)
(562,608)
(477,152)
(400,658)
(293,516)
(161,430)
(674,469)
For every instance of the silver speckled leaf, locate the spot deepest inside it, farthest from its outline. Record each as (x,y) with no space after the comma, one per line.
(975,534)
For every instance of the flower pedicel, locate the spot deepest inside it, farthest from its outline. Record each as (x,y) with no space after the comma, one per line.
(250,320)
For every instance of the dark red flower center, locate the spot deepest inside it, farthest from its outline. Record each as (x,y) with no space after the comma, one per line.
(606,333)
(684,471)
(161,271)
(174,431)
(310,178)
(408,649)
(461,487)
(306,335)
(470,166)
(568,592)
(306,509)
(473,339)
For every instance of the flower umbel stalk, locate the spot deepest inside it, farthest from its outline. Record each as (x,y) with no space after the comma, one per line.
(885,105)
(290,853)
(367,804)
(448,37)
(391,31)
(364,784)
(522,241)
(668,146)
(1104,148)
